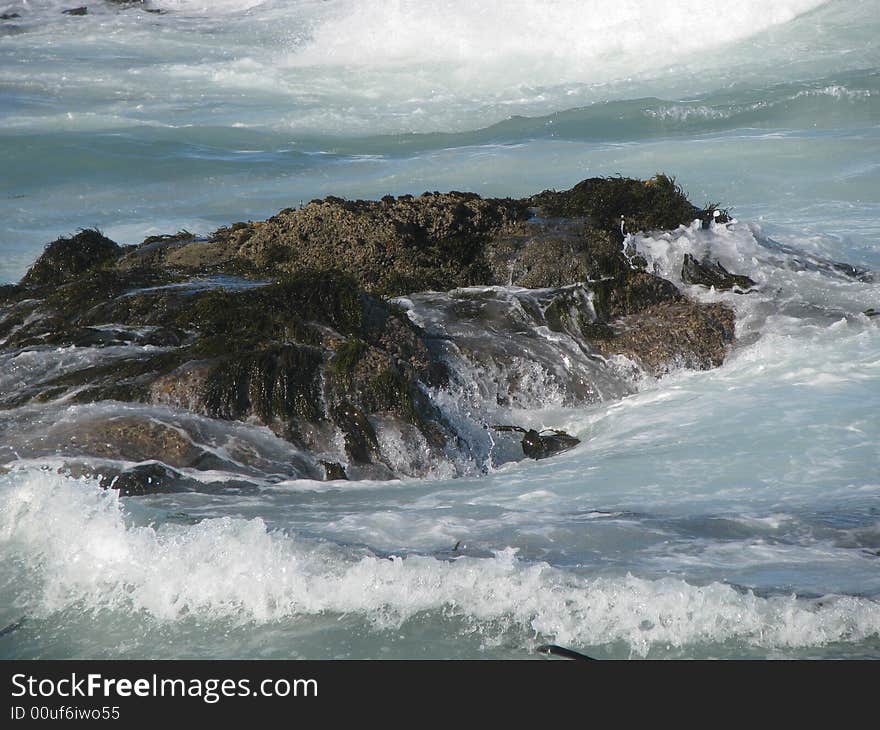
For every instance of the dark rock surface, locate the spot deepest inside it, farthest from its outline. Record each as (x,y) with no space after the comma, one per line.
(712,274)
(542,444)
(287,323)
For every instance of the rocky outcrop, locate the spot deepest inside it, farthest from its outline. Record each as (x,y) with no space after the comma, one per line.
(289,322)
(65,259)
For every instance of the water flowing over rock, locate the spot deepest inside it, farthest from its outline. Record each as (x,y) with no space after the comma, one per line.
(375,338)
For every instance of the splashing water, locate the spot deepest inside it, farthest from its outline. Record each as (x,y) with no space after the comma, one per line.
(728,513)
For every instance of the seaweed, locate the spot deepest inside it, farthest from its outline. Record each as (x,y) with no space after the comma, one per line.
(279,381)
(657,203)
(347,356)
(66,258)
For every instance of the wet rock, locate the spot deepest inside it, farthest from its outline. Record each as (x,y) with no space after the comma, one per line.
(542,254)
(184,387)
(67,258)
(361,442)
(712,274)
(276,382)
(853,272)
(333,471)
(9,16)
(145,479)
(672,335)
(9,292)
(284,323)
(82,10)
(13,627)
(139,4)
(122,379)
(542,444)
(564,652)
(393,246)
(135,439)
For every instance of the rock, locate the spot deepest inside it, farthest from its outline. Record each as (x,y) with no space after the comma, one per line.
(853,272)
(361,442)
(672,335)
(711,214)
(540,444)
(82,10)
(144,479)
(657,203)
(285,323)
(9,16)
(333,471)
(871,312)
(68,258)
(712,274)
(134,438)
(390,247)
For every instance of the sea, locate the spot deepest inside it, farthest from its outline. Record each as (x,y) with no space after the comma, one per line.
(732,513)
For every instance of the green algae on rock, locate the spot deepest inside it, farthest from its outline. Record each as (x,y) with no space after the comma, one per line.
(287,322)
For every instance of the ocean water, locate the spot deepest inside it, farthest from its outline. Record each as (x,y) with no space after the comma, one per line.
(733,513)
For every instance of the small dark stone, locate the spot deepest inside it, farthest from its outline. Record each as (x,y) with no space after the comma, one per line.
(707,217)
(82,10)
(144,479)
(13,627)
(871,312)
(538,445)
(9,16)
(564,652)
(712,274)
(333,471)
(853,272)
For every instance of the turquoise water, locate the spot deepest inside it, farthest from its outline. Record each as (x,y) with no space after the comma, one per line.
(732,513)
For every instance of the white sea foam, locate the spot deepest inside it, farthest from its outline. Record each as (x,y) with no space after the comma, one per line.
(91,556)
(567,36)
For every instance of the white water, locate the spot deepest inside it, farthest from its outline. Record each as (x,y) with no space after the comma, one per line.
(728,513)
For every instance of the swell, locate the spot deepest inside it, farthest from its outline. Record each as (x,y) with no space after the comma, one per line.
(840,102)
(352,68)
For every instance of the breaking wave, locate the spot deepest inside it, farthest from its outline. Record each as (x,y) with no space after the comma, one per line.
(97,558)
